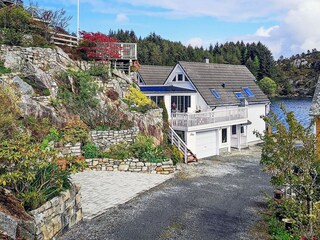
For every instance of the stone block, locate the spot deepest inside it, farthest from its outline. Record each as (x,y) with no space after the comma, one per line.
(140,164)
(144,168)
(55,201)
(103,168)
(147,164)
(65,195)
(109,168)
(132,164)
(167,162)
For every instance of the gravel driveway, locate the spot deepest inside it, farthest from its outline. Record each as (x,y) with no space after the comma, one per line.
(217,199)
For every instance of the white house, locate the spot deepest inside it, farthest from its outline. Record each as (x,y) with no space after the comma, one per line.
(214,107)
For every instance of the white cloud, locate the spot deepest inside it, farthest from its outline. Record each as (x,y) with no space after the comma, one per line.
(195,42)
(121,18)
(263,32)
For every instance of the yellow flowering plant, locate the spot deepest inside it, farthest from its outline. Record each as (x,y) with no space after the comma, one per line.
(138,101)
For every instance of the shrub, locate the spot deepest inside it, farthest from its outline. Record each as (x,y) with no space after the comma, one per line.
(83,100)
(99,69)
(9,112)
(39,41)
(90,150)
(75,131)
(38,128)
(53,136)
(119,151)
(26,171)
(14,23)
(48,182)
(144,149)
(138,101)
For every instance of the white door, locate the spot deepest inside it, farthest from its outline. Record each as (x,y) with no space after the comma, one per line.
(206,144)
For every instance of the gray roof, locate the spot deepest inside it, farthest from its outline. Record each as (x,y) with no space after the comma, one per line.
(154,75)
(315,106)
(207,76)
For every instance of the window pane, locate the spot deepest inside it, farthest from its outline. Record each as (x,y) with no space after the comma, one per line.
(248,92)
(153,98)
(180,77)
(239,95)
(234,129)
(174,79)
(224,135)
(174,103)
(160,98)
(215,93)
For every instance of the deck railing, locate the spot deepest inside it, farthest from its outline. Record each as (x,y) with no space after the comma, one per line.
(65,40)
(204,118)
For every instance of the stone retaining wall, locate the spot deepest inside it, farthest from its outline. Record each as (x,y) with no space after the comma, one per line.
(130,165)
(70,150)
(58,214)
(104,139)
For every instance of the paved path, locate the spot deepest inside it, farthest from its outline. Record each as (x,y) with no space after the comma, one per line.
(103,190)
(217,200)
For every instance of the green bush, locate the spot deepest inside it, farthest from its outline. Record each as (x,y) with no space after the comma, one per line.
(14,23)
(119,151)
(98,69)
(39,41)
(268,86)
(90,150)
(48,182)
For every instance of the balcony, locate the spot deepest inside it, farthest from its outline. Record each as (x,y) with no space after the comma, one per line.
(203,120)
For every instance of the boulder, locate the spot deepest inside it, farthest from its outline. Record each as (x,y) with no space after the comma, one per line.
(22,86)
(15,222)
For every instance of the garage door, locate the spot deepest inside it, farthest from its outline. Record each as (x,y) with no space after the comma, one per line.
(206,144)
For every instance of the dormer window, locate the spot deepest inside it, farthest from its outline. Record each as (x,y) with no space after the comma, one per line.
(215,93)
(180,77)
(239,95)
(248,92)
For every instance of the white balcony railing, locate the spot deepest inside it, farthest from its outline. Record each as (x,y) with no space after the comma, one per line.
(204,118)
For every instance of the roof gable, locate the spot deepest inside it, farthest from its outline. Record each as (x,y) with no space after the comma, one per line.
(154,75)
(225,79)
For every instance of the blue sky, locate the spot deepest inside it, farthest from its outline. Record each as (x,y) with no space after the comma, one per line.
(286,26)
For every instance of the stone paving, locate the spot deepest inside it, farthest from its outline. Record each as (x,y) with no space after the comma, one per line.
(103,190)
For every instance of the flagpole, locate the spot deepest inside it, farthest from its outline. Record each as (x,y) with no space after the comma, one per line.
(78,21)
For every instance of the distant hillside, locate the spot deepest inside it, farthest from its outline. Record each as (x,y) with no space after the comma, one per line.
(295,76)
(298,75)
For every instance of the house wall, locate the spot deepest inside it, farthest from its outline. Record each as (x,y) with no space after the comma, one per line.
(255,113)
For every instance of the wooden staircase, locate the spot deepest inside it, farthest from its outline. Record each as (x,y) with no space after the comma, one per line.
(188,155)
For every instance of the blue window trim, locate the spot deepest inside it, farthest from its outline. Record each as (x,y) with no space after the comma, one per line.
(239,95)
(215,93)
(248,92)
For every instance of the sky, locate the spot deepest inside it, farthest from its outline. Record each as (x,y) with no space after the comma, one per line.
(286,27)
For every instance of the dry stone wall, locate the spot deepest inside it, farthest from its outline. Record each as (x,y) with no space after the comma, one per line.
(58,214)
(104,139)
(71,150)
(130,165)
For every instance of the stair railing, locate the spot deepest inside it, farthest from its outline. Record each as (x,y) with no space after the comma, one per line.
(179,143)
